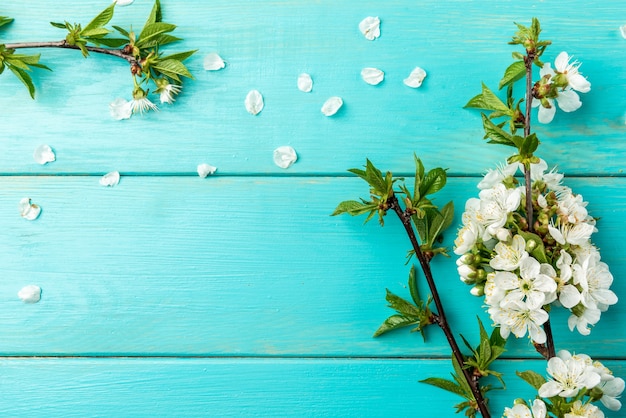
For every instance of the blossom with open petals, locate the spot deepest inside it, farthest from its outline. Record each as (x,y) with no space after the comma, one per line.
(517,317)
(140,102)
(521,410)
(569,374)
(167,90)
(495,206)
(611,390)
(587,410)
(530,287)
(569,70)
(509,257)
(595,279)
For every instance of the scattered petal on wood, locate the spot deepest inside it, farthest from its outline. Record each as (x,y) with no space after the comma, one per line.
(28,210)
(120,109)
(254,102)
(110,179)
(332,105)
(205,170)
(622,29)
(305,82)
(213,62)
(370,27)
(416,78)
(123,2)
(43,154)
(30,294)
(285,156)
(372,76)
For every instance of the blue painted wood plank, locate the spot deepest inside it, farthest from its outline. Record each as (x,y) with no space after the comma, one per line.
(241,387)
(267,44)
(238,266)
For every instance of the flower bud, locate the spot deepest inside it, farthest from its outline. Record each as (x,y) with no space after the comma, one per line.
(503,234)
(478,290)
(530,245)
(466,271)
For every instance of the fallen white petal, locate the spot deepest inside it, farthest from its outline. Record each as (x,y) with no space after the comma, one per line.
(28,210)
(123,2)
(332,105)
(30,294)
(120,109)
(416,78)
(213,62)
(372,76)
(370,27)
(622,29)
(254,102)
(110,179)
(305,82)
(43,154)
(285,156)
(205,170)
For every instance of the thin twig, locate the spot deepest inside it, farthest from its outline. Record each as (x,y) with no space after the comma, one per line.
(63,44)
(441,316)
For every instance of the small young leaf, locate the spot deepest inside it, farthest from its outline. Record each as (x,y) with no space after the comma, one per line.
(5,20)
(402,306)
(496,134)
(394,322)
(353,207)
(122,31)
(24,78)
(445,385)
(173,67)
(415,294)
(151,31)
(534,379)
(155,14)
(180,56)
(440,222)
(434,181)
(99,21)
(514,72)
(110,42)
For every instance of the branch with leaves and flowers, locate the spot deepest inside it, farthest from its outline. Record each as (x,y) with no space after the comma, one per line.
(150,67)
(525,246)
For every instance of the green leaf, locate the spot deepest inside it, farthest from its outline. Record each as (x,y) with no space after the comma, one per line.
(539,250)
(459,376)
(395,322)
(99,21)
(489,101)
(160,40)
(514,72)
(445,385)
(110,42)
(534,379)
(173,67)
(496,134)
(402,306)
(180,56)
(529,145)
(434,181)
(122,31)
(439,222)
(5,20)
(95,33)
(23,76)
(354,208)
(415,294)
(152,31)
(59,25)
(155,14)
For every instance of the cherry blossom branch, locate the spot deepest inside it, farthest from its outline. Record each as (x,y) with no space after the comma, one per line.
(548,350)
(65,45)
(440,317)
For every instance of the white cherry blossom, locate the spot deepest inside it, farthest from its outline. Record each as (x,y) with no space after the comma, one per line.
(587,410)
(509,257)
(595,279)
(495,205)
(611,390)
(518,318)
(569,375)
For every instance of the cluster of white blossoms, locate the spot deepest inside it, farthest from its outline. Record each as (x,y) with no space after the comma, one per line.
(560,85)
(522,268)
(577,381)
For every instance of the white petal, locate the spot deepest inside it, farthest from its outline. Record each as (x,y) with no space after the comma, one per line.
(254,102)
(43,154)
(546,114)
(28,210)
(213,62)
(579,83)
(120,109)
(561,61)
(372,76)
(205,170)
(569,296)
(30,294)
(622,30)
(416,78)
(332,105)
(123,2)
(305,82)
(546,70)
(110,179)
(370,27)
(568,101)
(285,156)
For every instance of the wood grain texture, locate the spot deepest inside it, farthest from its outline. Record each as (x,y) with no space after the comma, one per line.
(236,266)
(237,387)
(268,43)
(238,295)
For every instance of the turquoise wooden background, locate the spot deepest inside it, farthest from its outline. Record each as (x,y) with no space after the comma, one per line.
(238,294)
